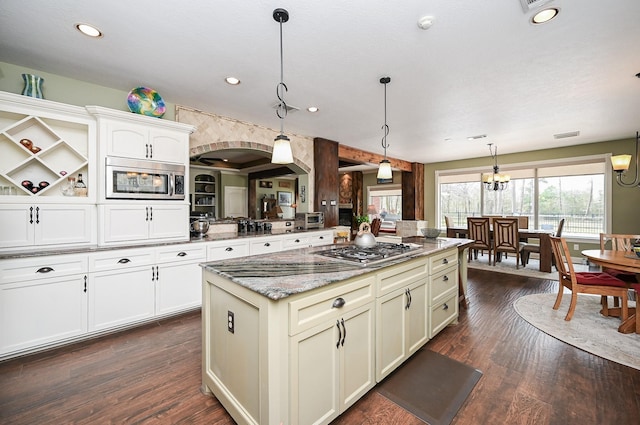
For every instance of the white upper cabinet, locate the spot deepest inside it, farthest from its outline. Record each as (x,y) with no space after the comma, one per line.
(136,136)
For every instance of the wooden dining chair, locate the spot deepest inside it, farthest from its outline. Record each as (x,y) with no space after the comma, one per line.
(479,229)
(596,283)
(376,223)
(527,248)
(506,238)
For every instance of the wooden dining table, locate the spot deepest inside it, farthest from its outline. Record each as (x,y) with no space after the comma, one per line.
(618,260)
(546,256)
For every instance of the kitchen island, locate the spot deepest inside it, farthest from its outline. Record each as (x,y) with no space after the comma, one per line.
(297,337)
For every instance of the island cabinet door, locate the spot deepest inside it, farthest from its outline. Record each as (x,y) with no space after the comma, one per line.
(401,326)
(332,366)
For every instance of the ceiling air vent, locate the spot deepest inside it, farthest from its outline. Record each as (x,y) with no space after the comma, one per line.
(565,135)
(529,5)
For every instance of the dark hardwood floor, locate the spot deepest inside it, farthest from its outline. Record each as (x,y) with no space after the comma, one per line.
(151,374)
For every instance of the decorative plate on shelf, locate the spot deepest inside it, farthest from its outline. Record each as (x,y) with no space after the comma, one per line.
(146,101)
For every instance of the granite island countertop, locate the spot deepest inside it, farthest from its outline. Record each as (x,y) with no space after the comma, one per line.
(285,273)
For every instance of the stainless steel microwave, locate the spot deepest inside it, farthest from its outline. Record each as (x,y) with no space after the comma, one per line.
(310,220)
(140,179)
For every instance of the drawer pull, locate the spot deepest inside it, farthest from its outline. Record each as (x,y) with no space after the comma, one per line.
(339,334)
(182,254)
(297,241)
(124,261)
(321,237)
(445,278)
(228,249)
(44,270)
(445,306)
(267,244)
(338,303)
(445,261)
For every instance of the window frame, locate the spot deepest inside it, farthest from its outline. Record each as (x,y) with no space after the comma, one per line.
(506,168)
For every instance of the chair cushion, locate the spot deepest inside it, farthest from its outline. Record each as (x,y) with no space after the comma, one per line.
(596,278)
(622,275)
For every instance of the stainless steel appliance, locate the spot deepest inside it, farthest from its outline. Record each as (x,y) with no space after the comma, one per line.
(382,251)
(139,179)
(309,220)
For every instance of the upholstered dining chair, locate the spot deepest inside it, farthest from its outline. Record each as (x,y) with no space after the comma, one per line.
(506,237)
(479,229)
(527,248)
(447,221)
(596,283)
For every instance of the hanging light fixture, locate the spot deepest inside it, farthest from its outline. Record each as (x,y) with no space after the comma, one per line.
(495,180)
(620,164)
(384,170)
(281,147)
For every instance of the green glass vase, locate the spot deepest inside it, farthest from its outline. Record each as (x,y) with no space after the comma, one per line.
(32,86)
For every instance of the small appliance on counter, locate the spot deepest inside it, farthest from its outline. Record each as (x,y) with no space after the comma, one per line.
(199,224)
(310,220)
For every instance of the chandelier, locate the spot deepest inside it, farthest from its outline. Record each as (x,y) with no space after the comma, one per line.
(495,180)
(281,147)
(620,164)
(384,170)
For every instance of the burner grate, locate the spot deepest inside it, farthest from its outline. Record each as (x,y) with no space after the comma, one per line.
(382,251)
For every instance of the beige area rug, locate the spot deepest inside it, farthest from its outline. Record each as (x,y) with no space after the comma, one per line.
(508,265)
(588,330)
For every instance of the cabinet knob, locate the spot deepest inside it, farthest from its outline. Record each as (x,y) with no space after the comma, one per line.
(44,270)
(445,278)
(445,261)
(338,303)
(445,306)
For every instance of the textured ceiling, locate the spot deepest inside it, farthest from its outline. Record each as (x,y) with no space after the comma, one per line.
(482,68)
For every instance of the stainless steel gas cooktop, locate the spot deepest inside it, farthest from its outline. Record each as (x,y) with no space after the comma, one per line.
(381,252)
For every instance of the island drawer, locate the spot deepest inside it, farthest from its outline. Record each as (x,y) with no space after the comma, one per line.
(443,313)
(394,277)
(443,260)
(441,283)
(314,309)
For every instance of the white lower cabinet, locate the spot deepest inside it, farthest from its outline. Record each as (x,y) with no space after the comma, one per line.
(179,277)
(121,297)
(42,301)
(23,225)
(140,223)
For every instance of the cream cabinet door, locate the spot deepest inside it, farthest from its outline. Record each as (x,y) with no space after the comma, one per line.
(401,326)
(332,366)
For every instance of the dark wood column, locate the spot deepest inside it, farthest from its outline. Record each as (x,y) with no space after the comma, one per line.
(413,193)
(326,179)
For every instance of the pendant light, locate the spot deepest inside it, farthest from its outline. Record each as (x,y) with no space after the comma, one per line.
(281,147)
(496,180)
(384,170)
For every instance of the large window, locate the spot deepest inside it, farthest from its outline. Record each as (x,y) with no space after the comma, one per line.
(544,191)
(387,202)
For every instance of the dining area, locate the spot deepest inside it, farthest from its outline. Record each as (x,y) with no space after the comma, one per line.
(500,236)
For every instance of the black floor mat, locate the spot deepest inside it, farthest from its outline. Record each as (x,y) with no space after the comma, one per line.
(430,386)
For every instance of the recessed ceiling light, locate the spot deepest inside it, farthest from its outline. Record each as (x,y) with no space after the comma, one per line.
(89,30)
(313,109)
(232,80)
(545,15)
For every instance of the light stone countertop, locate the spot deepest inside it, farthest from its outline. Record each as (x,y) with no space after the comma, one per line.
(285,273)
